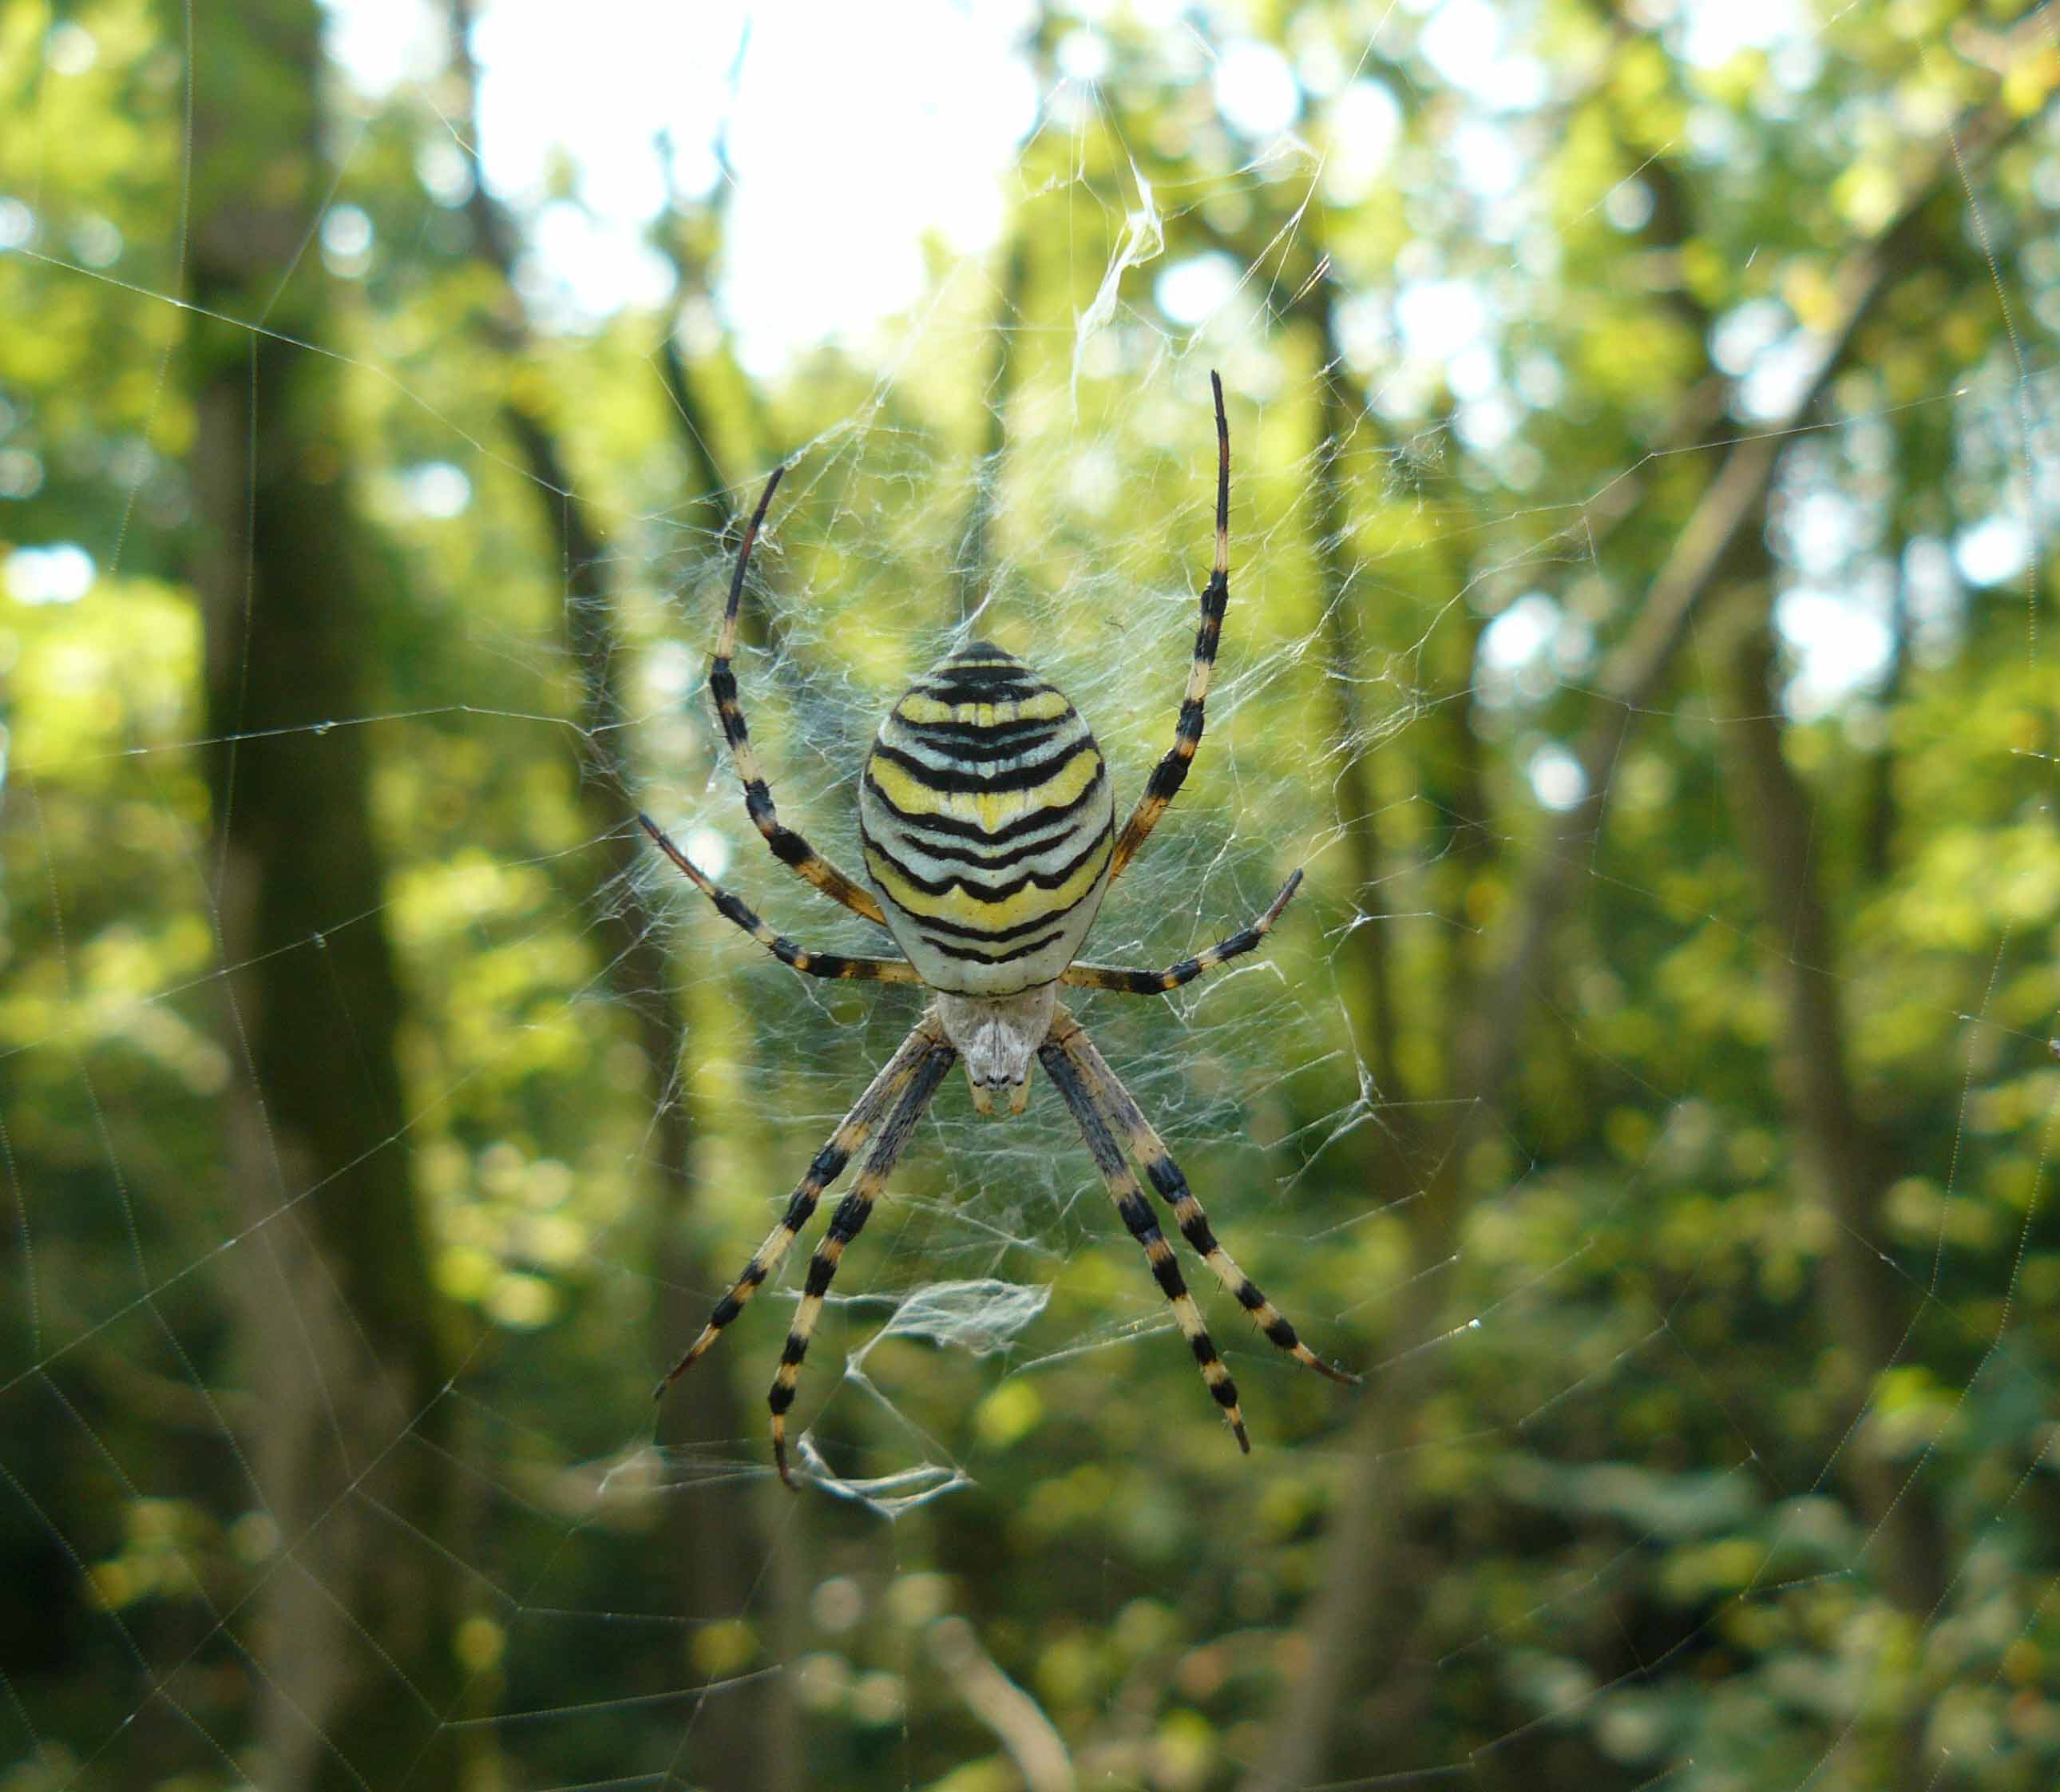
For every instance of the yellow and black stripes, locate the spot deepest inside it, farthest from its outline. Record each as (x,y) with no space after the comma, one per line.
(1135,1213)
(914,1056)
(814,964)
(1159,983)
(845,1224)
(989,836)
(988,825)
(787,846)
(1140,1139)
(1171,772)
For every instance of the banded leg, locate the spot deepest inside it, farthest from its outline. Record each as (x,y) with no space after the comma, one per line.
(787,846)
(1171,772)
(814,964)
(851,1132)
(846,1223)
(1160,982)
(1114,1104)
(1136,1212)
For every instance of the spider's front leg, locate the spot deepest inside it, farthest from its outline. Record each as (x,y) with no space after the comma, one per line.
(913,1059)
(1106,1115)
(1134,1211)
(846,1223)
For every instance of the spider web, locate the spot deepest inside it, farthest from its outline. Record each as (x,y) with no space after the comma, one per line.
(1600,1301)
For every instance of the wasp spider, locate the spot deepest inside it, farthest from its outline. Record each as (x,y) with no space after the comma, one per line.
(989,835)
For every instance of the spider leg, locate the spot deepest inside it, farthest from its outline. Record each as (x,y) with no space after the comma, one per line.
(846,1223)
(787,846)
(1159,983)
(1171,770)
(1113,1101)
(851,1132)
(1136,1212)
(814,964)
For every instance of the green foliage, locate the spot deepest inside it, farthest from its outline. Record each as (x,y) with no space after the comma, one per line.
(1632,1512)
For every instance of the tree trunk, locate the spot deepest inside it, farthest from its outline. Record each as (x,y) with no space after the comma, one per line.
(740,1738)
(1360,1618)
(1839,1155)
(345,1339)
(1368,956)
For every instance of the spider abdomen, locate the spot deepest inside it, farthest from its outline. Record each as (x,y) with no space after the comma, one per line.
(989,824)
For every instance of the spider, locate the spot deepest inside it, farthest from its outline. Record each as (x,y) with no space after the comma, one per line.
(989,830)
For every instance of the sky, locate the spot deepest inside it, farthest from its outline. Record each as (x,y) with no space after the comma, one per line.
(854,137)
(848,133)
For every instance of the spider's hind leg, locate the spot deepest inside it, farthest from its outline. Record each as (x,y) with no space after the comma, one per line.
(787,846)
(1171,772)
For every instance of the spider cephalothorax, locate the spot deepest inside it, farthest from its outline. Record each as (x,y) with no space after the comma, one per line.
(989,834)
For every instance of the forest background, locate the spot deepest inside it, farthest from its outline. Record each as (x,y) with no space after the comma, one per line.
(1642,632)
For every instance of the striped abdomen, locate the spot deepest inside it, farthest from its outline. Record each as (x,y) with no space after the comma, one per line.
(989,823)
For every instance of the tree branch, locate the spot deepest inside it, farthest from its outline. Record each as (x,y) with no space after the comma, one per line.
(1356,1608)
(712,1549)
